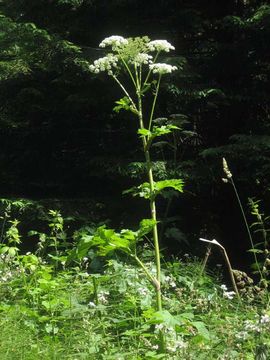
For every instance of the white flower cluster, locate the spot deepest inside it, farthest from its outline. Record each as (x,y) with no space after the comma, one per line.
(114,41)
(103,297)
(227,294)
(174,342)
(170,281)
(261,325)
(160,68)
(106,63)
(265,319)
(143,291)
(5,276)
(141,59)
(160,45)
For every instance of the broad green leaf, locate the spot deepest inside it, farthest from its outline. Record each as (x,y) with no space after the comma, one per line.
(157,131)
(201,328)
(146,225)
(4,249)
(164,317)
(162,130)
(176,184)
(144,190)
(144,132)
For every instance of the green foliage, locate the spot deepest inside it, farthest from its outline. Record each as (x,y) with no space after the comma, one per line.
(122,104)
(144,189)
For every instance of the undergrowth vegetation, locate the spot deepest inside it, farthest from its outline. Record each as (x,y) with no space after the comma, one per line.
(100,307)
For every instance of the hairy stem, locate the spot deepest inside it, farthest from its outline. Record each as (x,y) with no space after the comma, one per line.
(152,205)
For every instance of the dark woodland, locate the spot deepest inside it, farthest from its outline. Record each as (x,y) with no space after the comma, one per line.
(60,139)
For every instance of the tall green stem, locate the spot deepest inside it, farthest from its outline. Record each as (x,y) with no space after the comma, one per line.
(152,204)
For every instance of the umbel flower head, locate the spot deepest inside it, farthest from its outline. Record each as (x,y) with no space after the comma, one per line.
(133,51)
(162,69)
(114,41)
(106,63)
(160,45)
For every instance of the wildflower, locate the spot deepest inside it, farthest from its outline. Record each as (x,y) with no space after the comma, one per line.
(102,297)
(229,294)
(106,63)
(141,59)
(143,291)
(175,345)
(159,327)
(170,281)
(114,41)
(91,304)
(160,45)
(162,69)
(223,287)
(265,319)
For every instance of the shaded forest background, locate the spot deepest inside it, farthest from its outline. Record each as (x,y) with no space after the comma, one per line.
(59,137)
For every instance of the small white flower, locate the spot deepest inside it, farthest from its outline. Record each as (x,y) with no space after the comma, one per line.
(160,45)
(265,319)
(106,63)
(143,291)
(224,287)
(229,294)
(114,41)
(91,304)
(102,297)
(160,68)
(159,327)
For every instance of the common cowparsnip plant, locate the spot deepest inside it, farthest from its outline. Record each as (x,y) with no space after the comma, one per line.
(138,59)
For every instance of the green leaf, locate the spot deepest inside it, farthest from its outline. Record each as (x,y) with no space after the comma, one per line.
(162,130)
(122,104)
(144,132)
(256,251)
(4,249)
(144,190)
(157,131)
(201,328)
(164,317)
(146,225)
(176,184)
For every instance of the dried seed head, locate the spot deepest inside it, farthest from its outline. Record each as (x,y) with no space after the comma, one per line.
(226,169)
